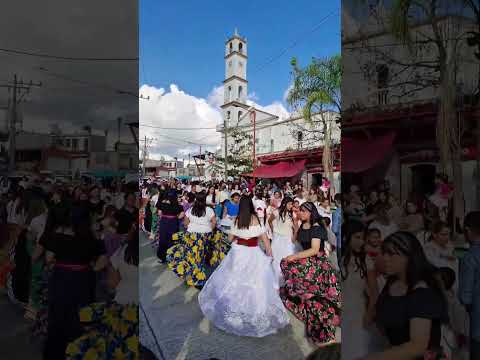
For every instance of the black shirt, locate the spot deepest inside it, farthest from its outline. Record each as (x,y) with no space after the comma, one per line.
(70,249)
(395,312)
(170,209)
(125,220)
(305,236)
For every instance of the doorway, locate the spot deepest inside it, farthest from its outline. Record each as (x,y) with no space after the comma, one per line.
(423,180)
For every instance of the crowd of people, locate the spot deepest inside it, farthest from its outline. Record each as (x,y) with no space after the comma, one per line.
(255,251)
(408,292)
(71,262)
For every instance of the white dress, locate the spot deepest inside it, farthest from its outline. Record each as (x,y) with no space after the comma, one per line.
(355,341)
(282,245)
(240,297)
(127,289)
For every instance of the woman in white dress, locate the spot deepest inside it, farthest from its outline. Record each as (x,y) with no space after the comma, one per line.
(241,297)
(284,228)
(355,341)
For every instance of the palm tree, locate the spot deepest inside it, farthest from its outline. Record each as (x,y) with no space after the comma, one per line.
(315,92)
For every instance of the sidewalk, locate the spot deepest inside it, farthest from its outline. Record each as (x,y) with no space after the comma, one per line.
(16,341)
(182,333)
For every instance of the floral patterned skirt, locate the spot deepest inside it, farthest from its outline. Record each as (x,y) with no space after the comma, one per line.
(111,332)
(194,256)
(312,293)
(41,293)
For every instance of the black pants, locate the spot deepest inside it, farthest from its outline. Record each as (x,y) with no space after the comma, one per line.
(68,291)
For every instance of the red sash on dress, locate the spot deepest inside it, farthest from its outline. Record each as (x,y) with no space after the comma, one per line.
(252,242)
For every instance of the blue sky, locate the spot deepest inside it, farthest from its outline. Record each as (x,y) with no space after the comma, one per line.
(182,42)
(182,47)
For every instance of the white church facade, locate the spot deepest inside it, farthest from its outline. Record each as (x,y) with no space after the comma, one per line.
(277,139)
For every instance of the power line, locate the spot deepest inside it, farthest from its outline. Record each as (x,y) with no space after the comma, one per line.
(67,58)
(172,128)
(83,82)
(298,40)
(398,44)
(181,140)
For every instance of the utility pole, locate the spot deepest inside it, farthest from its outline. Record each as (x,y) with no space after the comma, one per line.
(145,152)
(226,150)
(119,126)
(16,87)
(144,158)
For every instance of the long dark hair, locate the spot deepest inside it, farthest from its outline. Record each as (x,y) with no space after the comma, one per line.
(315,217)
(282,210)
(418,268)
(200,205)
(351,228)
(245,213)
(214,193)
(131,251)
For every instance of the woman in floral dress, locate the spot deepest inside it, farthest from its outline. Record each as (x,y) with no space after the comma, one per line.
(312,286)
(111,328)
(199,250)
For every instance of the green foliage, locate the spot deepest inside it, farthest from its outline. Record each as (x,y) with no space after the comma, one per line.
(316,87)
(239,154)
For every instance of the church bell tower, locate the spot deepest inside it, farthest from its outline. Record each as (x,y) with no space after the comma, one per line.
(235,83)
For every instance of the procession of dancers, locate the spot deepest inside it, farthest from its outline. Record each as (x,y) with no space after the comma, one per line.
(255,252)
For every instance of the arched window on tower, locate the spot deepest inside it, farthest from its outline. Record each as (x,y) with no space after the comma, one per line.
(240,47)
(231,47)
(229,93)
(240,91)
(228,115)
(239,115)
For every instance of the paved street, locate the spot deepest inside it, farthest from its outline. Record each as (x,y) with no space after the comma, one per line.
(182,333)
(16,342)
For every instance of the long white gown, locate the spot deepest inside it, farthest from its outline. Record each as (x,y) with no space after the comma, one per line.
(356,341)
(240,297)
(282,245)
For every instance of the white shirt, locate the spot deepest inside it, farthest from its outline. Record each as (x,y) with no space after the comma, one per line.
(438,255)
(37,225)
(154,200)
(202,224)
(222,196)
(12,216)
(127,289)
(283,228)
(325,213)
(119,200)
(209,200)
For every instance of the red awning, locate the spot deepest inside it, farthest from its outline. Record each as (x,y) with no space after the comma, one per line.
(283,169)
(360,155)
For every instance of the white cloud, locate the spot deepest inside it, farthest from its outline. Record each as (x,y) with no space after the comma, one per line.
(175,108)
(276,108)
(285,94)
(215,98)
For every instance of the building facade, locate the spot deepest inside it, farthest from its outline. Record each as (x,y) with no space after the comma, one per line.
(276,139)
(390,103)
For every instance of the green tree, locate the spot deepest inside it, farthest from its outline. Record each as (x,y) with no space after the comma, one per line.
(240,159)
(433,62)
(315,94)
